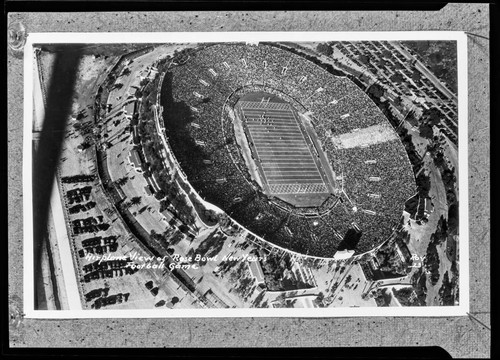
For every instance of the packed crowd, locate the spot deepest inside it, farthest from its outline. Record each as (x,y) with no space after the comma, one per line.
(395,184)
(204,144)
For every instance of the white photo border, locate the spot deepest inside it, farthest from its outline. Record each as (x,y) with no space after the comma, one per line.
(199,37)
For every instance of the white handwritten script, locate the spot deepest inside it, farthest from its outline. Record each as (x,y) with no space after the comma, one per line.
(134,260)
(137,261)
(419,262)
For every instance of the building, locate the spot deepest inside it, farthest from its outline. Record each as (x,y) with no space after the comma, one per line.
(301,301)
(428,207)
(167,216)
(343,254)
(148,189)
(403,251)
(135,160)
(257,273)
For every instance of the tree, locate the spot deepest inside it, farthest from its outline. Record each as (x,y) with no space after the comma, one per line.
(432,116)
(386,53)
(415,76)
(449,178)
(320,297)
(160,303)
(426,131)
(424,184)
(126,71)
(122,181)
(174,300)
(403,295)
(364,59)
(163,205)
(397,78)
(324,49)
(439,159)
(348,279)
(453,217)
(160,194)
(136,200)
(376,90)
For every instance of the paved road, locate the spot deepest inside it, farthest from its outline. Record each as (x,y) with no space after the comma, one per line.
(118,164)
(63,241)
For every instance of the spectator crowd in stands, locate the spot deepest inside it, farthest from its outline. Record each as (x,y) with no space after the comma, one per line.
(197,100)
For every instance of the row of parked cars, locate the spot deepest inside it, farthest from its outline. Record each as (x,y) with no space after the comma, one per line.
(110,300)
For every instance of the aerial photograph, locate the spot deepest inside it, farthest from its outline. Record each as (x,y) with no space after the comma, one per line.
(263,174)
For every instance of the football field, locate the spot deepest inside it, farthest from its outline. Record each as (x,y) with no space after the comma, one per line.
(285,156)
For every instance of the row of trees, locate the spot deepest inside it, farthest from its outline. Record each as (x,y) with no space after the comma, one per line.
(446,290)
(449,180)
(432,261)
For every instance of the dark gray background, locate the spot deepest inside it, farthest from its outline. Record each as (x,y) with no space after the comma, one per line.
(461,336)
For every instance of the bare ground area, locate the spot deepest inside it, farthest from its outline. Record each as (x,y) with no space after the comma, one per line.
(368,136)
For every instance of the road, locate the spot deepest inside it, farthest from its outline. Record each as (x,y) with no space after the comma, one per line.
(63,242)
(121,141)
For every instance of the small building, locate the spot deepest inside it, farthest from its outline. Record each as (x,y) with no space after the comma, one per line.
(343,254)
(135,160)
(413,122)
(167,216)
(428,207)
(257,273)
(148,190)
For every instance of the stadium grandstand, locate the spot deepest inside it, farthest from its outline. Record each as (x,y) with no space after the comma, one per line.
(300,157)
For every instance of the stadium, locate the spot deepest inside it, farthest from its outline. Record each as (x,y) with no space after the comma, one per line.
(298,156)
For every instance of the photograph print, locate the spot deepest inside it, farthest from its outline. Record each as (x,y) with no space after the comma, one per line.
(272,174)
